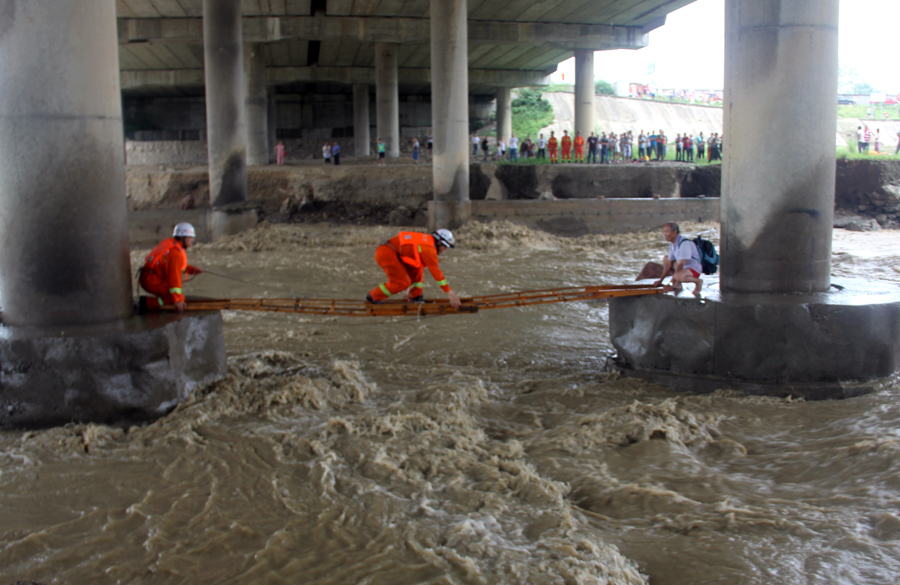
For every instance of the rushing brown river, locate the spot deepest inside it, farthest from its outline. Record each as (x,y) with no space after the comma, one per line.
(465,449)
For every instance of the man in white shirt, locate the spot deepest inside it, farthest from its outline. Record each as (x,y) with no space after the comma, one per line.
(683,261)
(475,142)
(513,148)
(542,147)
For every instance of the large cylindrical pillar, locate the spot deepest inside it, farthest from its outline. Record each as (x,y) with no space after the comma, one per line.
(257,104)
(361,138)
(504,114)
(778,195)
(584,92)
(387,100)
(64,258)
(450,114)
(225,115)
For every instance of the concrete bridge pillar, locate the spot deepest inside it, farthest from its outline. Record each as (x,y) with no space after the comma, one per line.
(257,104)
(504,114)
(776,327)
(387,100)
(64,259)
(361,139)
(584,92)
(226,117)
(70,347)
(778,202)
(451,207)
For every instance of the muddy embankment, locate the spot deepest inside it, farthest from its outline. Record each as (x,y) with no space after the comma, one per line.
(867,192)
(398,194)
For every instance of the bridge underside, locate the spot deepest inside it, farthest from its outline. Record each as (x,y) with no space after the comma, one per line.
(315,51)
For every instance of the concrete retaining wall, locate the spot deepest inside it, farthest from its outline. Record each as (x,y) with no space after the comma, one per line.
(594,216)
(166,152)
(489,181)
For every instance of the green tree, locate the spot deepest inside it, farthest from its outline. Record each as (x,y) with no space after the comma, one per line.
(530,113)
(603,88)
(863,89)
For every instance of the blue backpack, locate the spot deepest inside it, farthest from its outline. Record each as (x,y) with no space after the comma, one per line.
(709,258)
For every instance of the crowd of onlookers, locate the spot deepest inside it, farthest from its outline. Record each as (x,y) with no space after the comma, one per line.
(606,148)
(867,141)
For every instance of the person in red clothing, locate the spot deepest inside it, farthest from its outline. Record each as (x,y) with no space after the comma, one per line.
(566,144)
(163,269)
(404,259)
(553,145)
(579,147)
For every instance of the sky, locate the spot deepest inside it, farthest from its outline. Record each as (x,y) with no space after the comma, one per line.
(865,42)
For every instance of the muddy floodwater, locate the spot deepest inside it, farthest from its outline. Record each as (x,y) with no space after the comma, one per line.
(465,449)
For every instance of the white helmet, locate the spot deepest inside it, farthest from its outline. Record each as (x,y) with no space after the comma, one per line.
(444,237)
(184,230)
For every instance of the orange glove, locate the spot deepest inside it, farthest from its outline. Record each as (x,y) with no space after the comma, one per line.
(192,270)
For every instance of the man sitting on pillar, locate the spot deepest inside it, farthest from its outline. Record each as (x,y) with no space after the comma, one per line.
(682,261)
(163,269)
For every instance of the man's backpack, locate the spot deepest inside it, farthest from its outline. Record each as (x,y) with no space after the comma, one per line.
(709,258)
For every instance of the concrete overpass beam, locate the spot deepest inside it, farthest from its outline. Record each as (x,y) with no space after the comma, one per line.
(778,202)
(451,207)
(504,113)
(135,79)
(226,117)
(584,92)
(361,138)
(388,29)
(387,99)
(257,104)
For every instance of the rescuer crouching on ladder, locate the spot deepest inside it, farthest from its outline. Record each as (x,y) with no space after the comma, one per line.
(161,274)
(404,259)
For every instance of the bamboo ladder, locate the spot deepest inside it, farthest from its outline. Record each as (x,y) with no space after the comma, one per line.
(357,308)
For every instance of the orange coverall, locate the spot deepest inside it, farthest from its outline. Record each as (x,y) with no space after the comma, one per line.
(566,147)
(552,145)
(404,259)
(161,274)
(579,148)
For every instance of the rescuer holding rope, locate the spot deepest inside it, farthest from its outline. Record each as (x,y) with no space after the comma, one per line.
(163,269)
(404,259)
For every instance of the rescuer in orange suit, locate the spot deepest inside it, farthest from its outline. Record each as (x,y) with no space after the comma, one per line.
(404,259)
(566,144)
(579,147)
(553,144)
(163,269)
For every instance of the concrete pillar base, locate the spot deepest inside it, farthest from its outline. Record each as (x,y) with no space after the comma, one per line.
(230,221)
(130,371)
(448,214)
(820,345)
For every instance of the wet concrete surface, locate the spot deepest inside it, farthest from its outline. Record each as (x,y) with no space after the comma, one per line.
(822,345)
(133,370)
